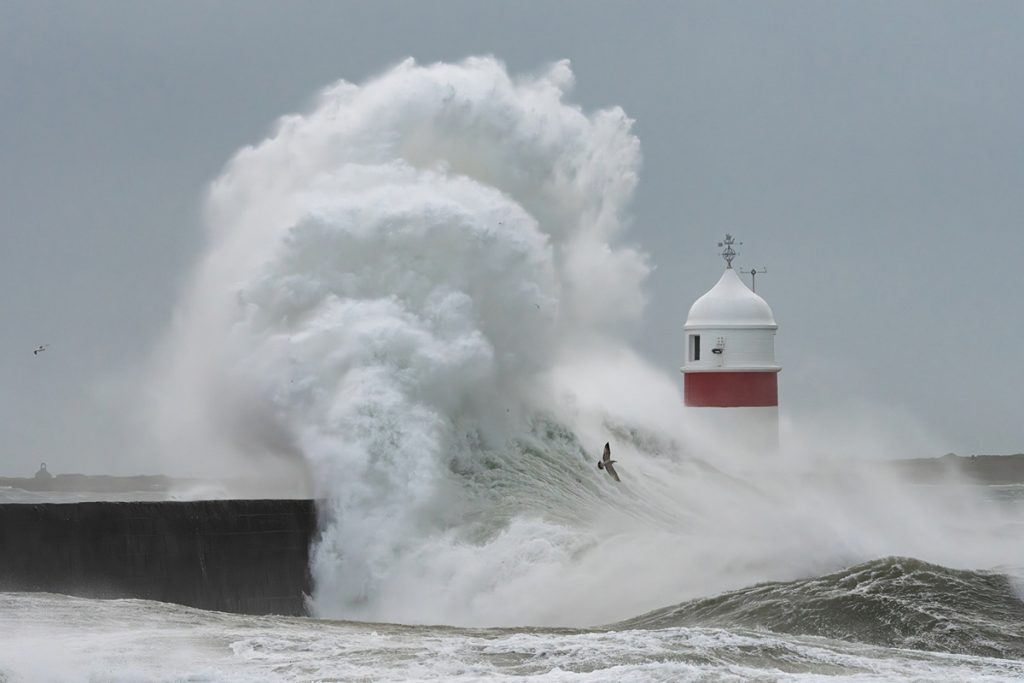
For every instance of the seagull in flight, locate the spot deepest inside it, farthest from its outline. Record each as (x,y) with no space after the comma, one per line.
(605,463)
(42,347)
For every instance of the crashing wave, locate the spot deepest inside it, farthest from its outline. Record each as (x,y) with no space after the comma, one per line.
(893,601)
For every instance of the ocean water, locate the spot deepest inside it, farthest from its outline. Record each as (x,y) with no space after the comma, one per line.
(889,619)
(421,292)
(12,494)
(894,619)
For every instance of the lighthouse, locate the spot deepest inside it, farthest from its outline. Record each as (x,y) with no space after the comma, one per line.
(730,377)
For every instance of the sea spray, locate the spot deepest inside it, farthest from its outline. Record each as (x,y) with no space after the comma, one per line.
(421,290)
(390,281)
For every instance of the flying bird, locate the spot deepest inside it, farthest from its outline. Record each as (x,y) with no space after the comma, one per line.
(42,347)
(605,463)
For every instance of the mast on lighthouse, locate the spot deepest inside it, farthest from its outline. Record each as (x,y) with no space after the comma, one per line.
(730,373)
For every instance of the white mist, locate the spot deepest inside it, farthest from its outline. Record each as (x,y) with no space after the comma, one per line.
(421,289)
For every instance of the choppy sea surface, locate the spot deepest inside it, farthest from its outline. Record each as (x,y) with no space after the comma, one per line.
(424,288)
(893,619)
(11,494)
(890,619)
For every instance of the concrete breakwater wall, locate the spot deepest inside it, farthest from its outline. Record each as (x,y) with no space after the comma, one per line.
(246,556)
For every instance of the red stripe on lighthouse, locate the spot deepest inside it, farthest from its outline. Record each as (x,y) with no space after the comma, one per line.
(731,389)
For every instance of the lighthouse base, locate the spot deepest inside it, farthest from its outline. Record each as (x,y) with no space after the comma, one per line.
(743,431)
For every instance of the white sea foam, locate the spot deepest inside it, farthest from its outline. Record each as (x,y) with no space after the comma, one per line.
(58,639)
(392,278)
(420,290)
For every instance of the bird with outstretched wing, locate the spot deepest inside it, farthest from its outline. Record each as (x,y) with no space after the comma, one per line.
(605,463)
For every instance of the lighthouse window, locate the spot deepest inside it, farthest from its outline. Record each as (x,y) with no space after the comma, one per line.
(694,347)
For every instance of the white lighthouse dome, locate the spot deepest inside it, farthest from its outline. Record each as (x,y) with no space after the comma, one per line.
(730,304)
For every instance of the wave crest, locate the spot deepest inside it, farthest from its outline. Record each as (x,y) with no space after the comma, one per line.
(893,601)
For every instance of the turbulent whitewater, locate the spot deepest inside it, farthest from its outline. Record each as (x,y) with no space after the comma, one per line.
(134,640)
(417,294)
(420,290)
(396,284)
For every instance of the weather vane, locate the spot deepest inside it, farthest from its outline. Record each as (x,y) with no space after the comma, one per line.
(728,253)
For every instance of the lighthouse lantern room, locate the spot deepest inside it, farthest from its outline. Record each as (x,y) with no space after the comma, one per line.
(730,372)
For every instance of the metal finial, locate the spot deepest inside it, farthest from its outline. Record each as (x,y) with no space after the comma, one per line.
(728,253)
(753,273)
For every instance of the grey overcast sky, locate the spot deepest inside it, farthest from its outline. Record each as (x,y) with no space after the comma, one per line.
(869,154)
